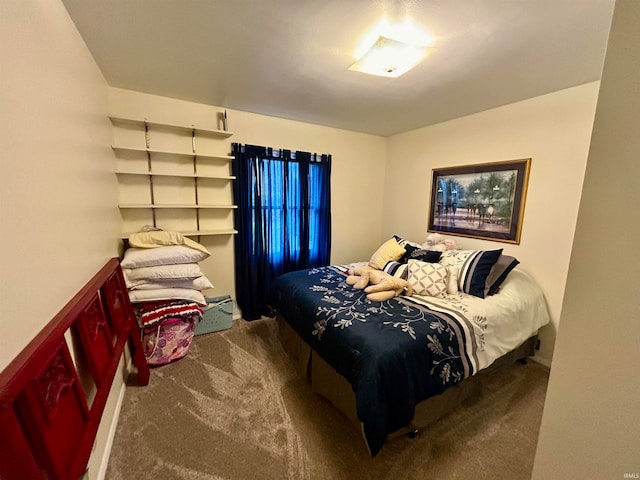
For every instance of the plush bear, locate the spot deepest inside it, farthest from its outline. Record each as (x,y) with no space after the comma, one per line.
(439,243)
(378,285)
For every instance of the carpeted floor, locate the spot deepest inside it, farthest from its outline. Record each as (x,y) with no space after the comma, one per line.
(236,409)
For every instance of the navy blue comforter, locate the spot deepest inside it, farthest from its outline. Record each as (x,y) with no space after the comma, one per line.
(394,353)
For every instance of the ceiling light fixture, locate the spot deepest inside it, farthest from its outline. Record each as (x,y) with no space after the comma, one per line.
(390,58)
(391,49)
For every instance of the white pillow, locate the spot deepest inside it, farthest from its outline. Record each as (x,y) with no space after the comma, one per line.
(161,238)
(167,294)
(452,281)
(455,258)
(200,283)
(171,255)
(427,278)
(184,270)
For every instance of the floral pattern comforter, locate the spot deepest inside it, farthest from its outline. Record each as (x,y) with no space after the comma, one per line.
(394,353)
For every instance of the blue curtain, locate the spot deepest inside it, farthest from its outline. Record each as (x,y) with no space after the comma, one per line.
(283,218)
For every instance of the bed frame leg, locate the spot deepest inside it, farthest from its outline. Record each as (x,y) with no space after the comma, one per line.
(413,434)
(522,361)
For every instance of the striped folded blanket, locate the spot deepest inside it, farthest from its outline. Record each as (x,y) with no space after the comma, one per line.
(152,313)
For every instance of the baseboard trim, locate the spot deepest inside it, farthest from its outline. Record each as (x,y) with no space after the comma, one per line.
(106,454)
(541,361)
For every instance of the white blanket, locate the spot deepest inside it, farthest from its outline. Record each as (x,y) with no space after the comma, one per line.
(501,322)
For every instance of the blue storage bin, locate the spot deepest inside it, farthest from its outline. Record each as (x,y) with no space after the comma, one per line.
(217,315)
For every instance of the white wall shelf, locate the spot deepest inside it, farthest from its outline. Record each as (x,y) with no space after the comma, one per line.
(177,154)
(175,206)
(198,233)
(186,175)
(189,128)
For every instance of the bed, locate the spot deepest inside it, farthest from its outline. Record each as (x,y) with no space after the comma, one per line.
(398,365)
(52,396)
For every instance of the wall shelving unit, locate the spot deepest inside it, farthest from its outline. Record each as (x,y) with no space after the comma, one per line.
(129,151)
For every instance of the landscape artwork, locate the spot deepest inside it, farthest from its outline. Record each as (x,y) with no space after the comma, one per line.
(482,201)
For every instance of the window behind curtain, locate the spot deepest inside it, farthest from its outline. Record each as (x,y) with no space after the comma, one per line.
(283,218)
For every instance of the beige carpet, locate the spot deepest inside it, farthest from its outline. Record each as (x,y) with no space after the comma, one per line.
(235,408)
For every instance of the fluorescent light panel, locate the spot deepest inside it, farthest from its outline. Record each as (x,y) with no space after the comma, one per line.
(390,58)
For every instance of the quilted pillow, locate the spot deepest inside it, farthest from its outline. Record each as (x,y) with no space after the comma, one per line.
(427,278)
(388,251)
(499,273)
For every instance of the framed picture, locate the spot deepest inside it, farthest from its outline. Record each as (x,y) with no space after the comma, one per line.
(481,201)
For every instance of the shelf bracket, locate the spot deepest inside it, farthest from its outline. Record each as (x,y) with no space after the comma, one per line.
(150,170)
(195,189)
(153,199)
(146,133)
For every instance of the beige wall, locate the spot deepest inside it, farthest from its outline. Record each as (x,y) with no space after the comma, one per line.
(553,130)
(591,422)
(57,201)
(59,221)
(357,160)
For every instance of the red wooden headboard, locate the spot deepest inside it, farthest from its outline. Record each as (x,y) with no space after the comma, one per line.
(47,422)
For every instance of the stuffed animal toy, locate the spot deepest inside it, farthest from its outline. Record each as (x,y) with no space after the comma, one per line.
(378,285)
(439,243)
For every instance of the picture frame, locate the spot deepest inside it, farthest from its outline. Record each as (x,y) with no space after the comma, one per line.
(484,201)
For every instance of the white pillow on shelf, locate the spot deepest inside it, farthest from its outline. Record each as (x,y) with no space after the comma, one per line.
(171,255)
(161,238)
(184,270)
(200,283)
(137,296)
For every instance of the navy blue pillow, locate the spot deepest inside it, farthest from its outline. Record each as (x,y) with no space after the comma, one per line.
(400,240)
(414,253)
(403,242)
(396,269)
(473,273)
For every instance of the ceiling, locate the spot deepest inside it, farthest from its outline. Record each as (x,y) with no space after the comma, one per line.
(290,58)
